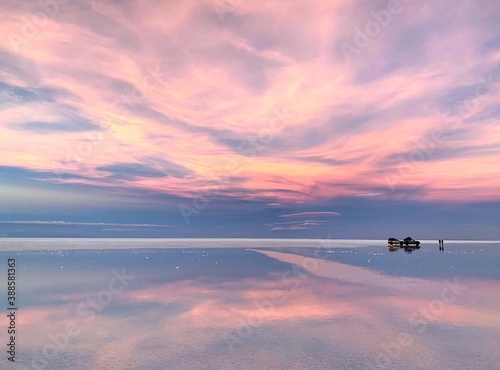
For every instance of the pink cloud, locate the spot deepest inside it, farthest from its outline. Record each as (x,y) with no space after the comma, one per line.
(207,94)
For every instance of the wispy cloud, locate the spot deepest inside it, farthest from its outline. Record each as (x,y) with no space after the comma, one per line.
(369,195)
(65,223)
(295,225)
(311,214)
(289,228)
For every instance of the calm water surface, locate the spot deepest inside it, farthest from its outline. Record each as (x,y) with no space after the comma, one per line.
(256,307)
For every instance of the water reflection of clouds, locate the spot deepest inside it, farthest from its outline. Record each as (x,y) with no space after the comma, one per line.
(412,293)
(333,317)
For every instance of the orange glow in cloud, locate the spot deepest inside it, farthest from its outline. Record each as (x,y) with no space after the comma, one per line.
(173,82)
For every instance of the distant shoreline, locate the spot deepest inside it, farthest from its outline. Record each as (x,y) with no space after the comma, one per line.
(60,244)
(238,239)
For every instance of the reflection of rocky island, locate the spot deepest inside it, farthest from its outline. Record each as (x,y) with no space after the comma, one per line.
(409,244)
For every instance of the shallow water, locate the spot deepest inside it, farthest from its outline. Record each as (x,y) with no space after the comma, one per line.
(255,307)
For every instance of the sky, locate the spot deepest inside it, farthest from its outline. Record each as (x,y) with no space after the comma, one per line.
(236,118)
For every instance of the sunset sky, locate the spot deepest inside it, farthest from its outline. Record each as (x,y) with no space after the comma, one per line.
(237,118)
